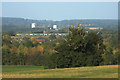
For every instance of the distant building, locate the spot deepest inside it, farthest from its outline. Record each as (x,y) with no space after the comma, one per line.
(33,25)
(55,27)
(89,25)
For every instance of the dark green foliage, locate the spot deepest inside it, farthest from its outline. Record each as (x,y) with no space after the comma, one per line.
(41,60)
(35,59)
(80,49)
(109,58)
(5,56)
(52,37)
(49,62)
(28,43)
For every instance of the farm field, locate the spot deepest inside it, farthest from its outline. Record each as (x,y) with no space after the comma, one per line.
(110,71)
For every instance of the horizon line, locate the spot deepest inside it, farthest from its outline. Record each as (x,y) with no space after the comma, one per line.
(63,19)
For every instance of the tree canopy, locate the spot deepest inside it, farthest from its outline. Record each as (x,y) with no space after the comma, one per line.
(80,48)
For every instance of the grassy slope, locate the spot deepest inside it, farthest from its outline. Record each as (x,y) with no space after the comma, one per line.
(110,71)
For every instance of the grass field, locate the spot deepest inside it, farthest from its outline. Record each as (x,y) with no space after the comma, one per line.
(110,71)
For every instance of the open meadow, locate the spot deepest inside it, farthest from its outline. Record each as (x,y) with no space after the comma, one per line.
(110,71)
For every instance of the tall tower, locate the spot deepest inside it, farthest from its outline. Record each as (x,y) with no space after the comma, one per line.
(33,25)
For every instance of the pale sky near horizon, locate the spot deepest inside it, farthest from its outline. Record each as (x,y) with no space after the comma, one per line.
(60,0)
(60,10)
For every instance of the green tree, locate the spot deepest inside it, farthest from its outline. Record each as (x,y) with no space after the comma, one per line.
(5,55)
(80,49)
(20,55)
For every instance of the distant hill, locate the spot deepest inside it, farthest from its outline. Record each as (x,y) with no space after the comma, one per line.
(12,24)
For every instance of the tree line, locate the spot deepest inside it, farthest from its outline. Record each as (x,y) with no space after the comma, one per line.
(79,48)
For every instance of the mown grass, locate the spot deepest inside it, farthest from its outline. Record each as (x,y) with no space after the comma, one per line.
(110,71)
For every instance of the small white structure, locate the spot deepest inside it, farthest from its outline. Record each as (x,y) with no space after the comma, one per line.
(55,27)
(89,25)
(33,25)
(31,34)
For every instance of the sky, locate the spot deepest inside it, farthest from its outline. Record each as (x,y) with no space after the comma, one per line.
(60,10)
(60,0)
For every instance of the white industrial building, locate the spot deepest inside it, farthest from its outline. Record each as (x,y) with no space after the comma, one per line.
(55,27)
(33,25)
